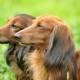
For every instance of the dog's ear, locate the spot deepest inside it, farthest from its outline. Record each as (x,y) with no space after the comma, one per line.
(21,52)
(61,48)
(9,53)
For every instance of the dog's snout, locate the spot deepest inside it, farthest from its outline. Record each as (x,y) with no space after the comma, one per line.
(17,37)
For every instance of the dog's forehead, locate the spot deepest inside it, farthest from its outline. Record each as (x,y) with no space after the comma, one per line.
(47,23)
(45,19)
(13,18)
(18,19)
(48,18)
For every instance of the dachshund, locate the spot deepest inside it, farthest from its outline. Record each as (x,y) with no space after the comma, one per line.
(15,52)
(54,54)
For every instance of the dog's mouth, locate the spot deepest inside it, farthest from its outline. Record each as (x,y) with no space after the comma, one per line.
(31,43)
(6,42)
(24,44)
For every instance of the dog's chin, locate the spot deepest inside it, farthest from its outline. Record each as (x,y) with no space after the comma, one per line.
(31,42)
(6,42)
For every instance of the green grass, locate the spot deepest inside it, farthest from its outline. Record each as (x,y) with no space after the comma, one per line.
(66,9)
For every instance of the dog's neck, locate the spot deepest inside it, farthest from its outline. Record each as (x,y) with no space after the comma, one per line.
(36,62)
(42,46)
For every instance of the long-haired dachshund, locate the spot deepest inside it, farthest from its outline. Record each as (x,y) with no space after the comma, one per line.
(54,57)
(16,52)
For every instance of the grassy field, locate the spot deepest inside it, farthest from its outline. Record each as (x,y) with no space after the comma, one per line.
(66,9)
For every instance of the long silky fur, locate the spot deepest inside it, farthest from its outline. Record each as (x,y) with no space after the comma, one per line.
(60,53)
(21,52)
(9,52)
(12,62)
(16,56)
(77,54)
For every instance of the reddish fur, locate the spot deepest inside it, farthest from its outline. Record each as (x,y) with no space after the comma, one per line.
(77,53)
(40,39)
(6,36)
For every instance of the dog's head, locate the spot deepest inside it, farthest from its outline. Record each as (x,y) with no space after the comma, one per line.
(44,29)
(14,24)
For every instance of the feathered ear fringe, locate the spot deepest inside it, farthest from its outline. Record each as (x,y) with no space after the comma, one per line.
(9,52)
(21,52)
(18,52)
(61,49)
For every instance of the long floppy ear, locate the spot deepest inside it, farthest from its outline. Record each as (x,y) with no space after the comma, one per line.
(9,52)
(21,52)
(61,49)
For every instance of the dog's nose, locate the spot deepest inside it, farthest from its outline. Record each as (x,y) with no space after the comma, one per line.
(17,37)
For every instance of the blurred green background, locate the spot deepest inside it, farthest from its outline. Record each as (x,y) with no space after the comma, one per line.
(68,10)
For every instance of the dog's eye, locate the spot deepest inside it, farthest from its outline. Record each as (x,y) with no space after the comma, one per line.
(40,26)
(14,26)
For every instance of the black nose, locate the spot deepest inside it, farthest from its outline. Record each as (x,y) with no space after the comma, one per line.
(17,37)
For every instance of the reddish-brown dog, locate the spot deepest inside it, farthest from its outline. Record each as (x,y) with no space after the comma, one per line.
(16,52)
(54,57)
